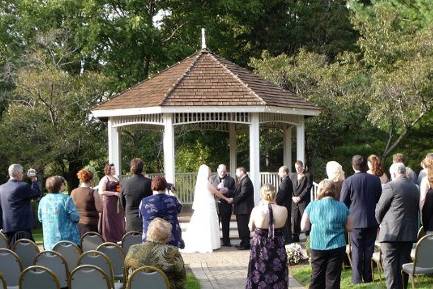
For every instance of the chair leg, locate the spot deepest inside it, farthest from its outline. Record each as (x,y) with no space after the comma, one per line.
(413,281)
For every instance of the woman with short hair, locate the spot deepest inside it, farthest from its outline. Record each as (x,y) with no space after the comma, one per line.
(157,253)
(268,259)
(58,214)
(328,219)
(164,206)
(88,203)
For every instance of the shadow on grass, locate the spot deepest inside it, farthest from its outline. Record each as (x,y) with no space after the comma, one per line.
(302,273)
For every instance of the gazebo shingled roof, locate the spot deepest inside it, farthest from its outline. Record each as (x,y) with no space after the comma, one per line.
(205,79)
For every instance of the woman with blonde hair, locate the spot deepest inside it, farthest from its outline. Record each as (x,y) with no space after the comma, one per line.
(268,260)
(335,173)
(157,253)
(328,220)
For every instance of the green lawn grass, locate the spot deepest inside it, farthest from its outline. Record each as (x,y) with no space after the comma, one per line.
(302,274)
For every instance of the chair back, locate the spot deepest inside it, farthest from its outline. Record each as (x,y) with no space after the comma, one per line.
(10,266)
(3,282)
(91,241)
(99,260)
(115,253)
(38,277)
(129,239)
(70,252)
(4,242)
(89,277)
(27,250)
(421,233)
(153,277)
(56,263)
(424,252)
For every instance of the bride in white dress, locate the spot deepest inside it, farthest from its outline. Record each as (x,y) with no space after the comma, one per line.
(202,234)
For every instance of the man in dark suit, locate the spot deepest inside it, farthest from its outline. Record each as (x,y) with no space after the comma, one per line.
(360,193)
(15,204)
(397,214)
(243,201)
(225,184)
(284,198)
(133,190)
(302,183)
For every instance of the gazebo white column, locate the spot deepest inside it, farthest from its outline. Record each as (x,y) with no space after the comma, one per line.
(168,144)
(300,140)
(287,147)
(255,154)
(114,147)
(233,149)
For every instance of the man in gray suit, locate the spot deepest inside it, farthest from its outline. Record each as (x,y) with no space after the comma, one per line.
(397,214)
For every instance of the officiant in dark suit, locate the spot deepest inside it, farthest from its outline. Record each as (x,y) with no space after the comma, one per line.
(284,198)
(225,184)
(243,202)
(302,183)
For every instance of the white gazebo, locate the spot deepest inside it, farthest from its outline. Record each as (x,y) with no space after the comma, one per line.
(205,91)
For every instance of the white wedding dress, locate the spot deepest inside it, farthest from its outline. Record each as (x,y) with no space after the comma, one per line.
(202,234)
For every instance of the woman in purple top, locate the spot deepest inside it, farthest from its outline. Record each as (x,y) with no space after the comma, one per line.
(164,206)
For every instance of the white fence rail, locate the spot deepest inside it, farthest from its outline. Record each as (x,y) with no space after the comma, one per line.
(185,183)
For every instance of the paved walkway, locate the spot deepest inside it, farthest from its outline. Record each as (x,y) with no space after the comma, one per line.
(223,269)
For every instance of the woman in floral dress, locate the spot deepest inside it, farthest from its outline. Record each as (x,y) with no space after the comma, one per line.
(268,260)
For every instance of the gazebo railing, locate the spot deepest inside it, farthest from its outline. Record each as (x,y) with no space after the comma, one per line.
(185,183)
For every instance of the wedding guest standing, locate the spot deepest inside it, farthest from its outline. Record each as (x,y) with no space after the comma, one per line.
(88,203)
(268,258)
(302,184)
(226,185)
(58,214)
(162,205)
(397,214)
(16,214)
(112,223)
(134,189)
(329,220)
(375,168)
(284,198)
(335,173)
(400,158)
(427,209)
(243,202)
(425,184)
(157,253)
(360,193)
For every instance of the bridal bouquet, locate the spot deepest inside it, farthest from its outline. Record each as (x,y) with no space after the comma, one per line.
(295,254)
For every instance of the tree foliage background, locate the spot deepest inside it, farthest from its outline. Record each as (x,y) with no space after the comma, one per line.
(368,64)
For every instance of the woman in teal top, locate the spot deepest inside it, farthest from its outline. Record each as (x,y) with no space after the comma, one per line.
(328,219)
(58,215)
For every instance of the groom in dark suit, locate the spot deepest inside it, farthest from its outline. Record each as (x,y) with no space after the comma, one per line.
(226,185)
(243,201)
(302,183)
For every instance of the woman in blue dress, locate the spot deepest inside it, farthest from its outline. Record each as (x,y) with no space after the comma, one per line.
(58,214)
(162,205)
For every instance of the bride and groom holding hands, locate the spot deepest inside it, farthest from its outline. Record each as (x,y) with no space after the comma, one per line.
(202,234)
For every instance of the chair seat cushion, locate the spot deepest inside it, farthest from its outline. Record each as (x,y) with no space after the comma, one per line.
(408,268)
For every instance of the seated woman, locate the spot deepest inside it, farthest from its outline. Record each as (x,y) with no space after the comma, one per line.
(268,260)
(162,205)
(58,214)
(328,219)
(155,252)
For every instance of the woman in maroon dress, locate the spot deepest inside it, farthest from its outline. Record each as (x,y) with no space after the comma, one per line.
(112,221)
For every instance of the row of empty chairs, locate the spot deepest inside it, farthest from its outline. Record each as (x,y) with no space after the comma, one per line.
(66,257)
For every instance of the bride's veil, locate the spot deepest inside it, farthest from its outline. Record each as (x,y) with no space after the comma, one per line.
(201,187)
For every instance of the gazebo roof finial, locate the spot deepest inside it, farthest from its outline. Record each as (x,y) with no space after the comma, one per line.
(203,39)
